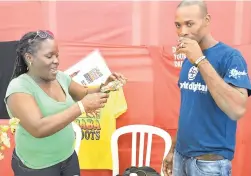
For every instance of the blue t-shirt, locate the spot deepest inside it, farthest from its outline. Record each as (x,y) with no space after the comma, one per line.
(203,127)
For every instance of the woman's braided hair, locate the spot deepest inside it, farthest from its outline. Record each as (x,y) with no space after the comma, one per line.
(29,43)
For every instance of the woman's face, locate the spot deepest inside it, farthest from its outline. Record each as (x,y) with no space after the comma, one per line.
(44,63)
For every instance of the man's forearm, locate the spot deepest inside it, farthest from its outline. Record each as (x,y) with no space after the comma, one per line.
(228,99)
(174,138)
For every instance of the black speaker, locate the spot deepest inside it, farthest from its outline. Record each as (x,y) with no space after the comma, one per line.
(7,60)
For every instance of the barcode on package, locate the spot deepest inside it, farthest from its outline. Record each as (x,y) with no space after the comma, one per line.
(92,75)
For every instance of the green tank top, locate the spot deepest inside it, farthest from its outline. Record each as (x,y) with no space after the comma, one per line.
(38,153)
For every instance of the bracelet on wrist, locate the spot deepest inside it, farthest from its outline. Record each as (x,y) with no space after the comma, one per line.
(203,62)
(196,63)
(81,107)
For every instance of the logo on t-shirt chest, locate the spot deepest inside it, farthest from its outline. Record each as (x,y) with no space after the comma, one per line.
(90,126)
(191,80)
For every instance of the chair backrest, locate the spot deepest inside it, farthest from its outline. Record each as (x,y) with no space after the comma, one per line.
(78,134)
(142,129)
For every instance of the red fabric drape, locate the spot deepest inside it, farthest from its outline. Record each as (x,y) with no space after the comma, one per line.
(119,29)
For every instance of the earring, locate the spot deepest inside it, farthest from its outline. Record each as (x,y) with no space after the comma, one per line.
(29,65)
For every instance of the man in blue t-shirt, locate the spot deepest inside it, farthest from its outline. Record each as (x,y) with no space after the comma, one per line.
(214,86)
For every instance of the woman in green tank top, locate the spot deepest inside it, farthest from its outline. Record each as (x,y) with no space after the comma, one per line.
(46,101)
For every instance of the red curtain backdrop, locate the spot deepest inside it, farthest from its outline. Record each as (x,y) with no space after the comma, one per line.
(136,38)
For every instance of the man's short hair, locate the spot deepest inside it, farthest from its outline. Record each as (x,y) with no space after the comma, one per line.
(200,3)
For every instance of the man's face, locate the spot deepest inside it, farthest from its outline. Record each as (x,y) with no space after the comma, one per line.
(191,22)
